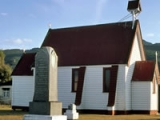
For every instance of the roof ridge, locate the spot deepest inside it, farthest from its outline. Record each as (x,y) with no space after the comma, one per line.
(94,25)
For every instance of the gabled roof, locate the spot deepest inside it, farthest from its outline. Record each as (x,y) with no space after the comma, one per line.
(24,65)
(92,45)
(144,71)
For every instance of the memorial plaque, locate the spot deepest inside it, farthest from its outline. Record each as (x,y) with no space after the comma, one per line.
(41,84)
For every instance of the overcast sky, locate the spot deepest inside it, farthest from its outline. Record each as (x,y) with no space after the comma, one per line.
(24,23)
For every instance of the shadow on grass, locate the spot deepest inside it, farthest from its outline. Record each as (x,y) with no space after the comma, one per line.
(11,112)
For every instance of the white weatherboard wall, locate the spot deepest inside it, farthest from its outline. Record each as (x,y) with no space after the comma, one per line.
(123,90)
(154,96)
(141,95)
(120,89)
(22,90)
(135,56)
(65,94)
(92,96)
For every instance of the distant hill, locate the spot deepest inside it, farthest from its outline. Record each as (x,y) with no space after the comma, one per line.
(146,43)
(150,50)
(13,55)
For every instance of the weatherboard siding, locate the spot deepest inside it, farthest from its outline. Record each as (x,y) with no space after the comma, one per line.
(120,89)
(22,90)
(154,96)
(65,94)
(134,56)
(123,93)
(135,53)
(141,95)
(92,96)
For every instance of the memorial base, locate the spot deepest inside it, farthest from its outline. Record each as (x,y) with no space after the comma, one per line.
(45,108)
(44,117)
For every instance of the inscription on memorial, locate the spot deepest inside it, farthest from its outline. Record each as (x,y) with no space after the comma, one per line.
(41,78)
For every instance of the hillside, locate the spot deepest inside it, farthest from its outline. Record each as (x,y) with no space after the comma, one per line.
(13,55)
(150,50)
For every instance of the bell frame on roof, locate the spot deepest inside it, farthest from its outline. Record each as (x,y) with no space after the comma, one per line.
(134,7)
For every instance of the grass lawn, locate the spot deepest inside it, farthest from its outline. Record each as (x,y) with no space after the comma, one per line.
(6,113)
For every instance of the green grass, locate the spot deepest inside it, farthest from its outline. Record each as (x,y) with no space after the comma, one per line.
(119,117)
(6,113)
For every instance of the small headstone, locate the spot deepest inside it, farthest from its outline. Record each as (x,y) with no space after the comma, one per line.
(72,107)
(45,101)
(71,112)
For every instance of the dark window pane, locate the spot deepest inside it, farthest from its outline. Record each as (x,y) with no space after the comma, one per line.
(106,79)
(74,80)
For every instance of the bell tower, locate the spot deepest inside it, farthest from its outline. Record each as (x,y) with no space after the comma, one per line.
(134,7)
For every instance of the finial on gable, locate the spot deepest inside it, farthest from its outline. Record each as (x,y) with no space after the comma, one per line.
(134,7)
(24,51)
(156,53)
(49,25)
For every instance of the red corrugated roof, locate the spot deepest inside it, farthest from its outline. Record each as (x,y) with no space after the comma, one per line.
(143,71)
(92,45)
(24,65)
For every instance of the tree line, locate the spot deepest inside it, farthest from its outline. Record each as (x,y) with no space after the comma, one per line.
(5,69)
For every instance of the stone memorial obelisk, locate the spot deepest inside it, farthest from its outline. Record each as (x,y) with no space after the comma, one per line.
(45,105)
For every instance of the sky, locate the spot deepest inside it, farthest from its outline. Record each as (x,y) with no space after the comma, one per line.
(25,23)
